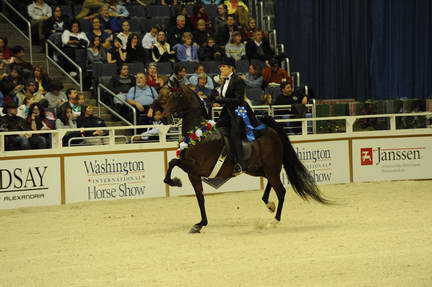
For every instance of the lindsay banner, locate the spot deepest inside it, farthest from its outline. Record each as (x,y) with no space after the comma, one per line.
(34,182)
(327,161)
(392,159)
(114,176)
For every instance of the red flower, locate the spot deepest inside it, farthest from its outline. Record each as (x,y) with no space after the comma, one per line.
(193,136)
(209,126)
(178,153)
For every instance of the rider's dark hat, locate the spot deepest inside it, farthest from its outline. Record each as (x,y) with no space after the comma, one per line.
(227,61)
(10,105)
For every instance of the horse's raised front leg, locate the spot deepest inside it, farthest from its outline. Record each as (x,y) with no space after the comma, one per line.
(168,180)
(197,185)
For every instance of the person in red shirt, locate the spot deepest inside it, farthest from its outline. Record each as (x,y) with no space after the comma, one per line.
(199,13)
(274,74)
(7,53)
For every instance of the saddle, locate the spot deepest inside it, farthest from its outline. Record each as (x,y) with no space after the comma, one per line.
(246,145)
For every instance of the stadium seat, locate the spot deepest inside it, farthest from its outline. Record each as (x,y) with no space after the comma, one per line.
(67,10)
(242,66)
(260,64)
(165,68)
(211,67)
(211,10)
(135,24)
(159,11)
(161,21)
(255,95)
(135,68)
(105,80)
(190,66)
(100,70)
(85,25)
(137,11)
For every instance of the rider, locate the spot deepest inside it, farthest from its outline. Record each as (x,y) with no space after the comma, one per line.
(231,96)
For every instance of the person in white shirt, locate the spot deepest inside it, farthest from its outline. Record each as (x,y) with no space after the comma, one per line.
(149,41)
(75,45)
(39,11)
(124,34)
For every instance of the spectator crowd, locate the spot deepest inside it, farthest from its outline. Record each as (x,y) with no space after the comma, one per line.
(189,37)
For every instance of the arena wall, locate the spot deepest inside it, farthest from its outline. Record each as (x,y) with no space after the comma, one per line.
(128,171)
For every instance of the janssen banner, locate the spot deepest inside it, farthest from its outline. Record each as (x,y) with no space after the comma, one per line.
(25,182)
(392,159)
(114,176)
(327,161)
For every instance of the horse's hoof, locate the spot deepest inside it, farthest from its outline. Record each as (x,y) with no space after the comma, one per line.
(271,206)
(176,182)
(196,229)
(273,223)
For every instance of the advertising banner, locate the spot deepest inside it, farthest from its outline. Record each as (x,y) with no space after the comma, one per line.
(25,182)
(114,176)
(327,161)
(392,159)
(240,183)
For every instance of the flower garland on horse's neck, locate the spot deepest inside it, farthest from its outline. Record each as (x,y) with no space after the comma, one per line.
(195,136)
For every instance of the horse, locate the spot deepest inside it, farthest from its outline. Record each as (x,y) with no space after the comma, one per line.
(269,153)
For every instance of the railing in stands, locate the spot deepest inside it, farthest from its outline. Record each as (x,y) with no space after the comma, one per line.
(49,44)
(57,135)
(107,90)
(28,23)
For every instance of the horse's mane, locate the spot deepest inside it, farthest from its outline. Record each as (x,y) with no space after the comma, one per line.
(186,90)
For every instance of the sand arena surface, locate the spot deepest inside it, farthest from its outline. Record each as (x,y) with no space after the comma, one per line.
(380,235)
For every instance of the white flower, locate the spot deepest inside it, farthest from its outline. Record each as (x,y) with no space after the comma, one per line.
(183,145)
(198,132)
(212,123)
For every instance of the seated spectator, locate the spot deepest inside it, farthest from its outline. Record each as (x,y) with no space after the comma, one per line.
(65,121)
(10,123)
(242,17)
(88,120)
(55,96)
(181,10)
(274,75)
(199,71)
(203,91)
(24,68)
(6,52)
(232,5)
(235,49)
(72,96)
(153,133)
(96,54)
(81,100)
(49,114)
(259,48)
(288,97)
(124,34)
(75,46)
(141,97)
(210,51)
(90,9)
(179,75)
(267,99)
(134,52)
(162,50)
(199,13)
(39,11)
(175,33)
(153,79)
(42,80)
(120,84)
(253,78)
(97,31)
(219,21)
(54,28)
(117,10)
(201,34)
(248,31)
(36,120)
(110,24)
(149,40)
(30,90)
(116,55)
(223,35)
(12,83)
(187,51)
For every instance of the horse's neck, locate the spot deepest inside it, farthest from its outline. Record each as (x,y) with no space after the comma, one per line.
(191,121)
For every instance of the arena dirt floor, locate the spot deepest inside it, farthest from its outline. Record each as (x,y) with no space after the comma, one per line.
(379,235)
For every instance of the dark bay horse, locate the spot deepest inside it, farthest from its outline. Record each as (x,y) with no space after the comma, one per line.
(270,152)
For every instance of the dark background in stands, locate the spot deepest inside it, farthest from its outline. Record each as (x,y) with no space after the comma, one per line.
(362,49)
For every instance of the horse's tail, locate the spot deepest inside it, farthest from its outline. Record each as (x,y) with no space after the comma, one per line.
(301,180)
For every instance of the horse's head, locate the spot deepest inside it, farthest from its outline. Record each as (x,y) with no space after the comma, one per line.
(178,101)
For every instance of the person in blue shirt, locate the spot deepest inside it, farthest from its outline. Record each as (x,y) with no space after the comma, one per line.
(217,2)
(141,97)
(193,79)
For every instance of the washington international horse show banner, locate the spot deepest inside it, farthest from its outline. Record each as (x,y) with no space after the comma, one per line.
(29,182)
(114,176)
(392,158)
